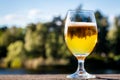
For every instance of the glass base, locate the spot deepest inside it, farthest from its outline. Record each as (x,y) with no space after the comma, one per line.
(81,76)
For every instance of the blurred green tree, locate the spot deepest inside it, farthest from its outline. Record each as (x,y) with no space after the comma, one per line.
(35,39)
(103,26)
(15,55)
(3,49)
(9,35)
(116,45)
(56,49)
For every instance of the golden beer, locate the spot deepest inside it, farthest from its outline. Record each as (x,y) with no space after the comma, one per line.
(81,38)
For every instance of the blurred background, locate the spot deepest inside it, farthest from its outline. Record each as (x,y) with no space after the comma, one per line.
(32,39)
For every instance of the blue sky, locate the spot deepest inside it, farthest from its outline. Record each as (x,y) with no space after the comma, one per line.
(22,12)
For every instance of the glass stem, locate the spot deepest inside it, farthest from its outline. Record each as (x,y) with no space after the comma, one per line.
(80,68)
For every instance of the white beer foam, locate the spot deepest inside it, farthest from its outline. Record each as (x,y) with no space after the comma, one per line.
(82,24)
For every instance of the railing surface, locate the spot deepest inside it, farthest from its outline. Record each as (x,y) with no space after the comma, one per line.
(56,77)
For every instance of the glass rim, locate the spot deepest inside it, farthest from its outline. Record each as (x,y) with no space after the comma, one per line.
(83,10)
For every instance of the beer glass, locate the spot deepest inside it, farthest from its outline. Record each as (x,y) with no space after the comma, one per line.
(80,36)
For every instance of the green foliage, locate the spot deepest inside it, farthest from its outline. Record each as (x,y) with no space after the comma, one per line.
(8,36)
(16,63)
(103,25)
(11,35)
(116,43)
(15,52)
(35,39)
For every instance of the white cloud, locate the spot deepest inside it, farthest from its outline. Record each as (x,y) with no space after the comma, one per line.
(22,19)
(9,17)
(34,13)
(13,19)
(37,15)
(111,18)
